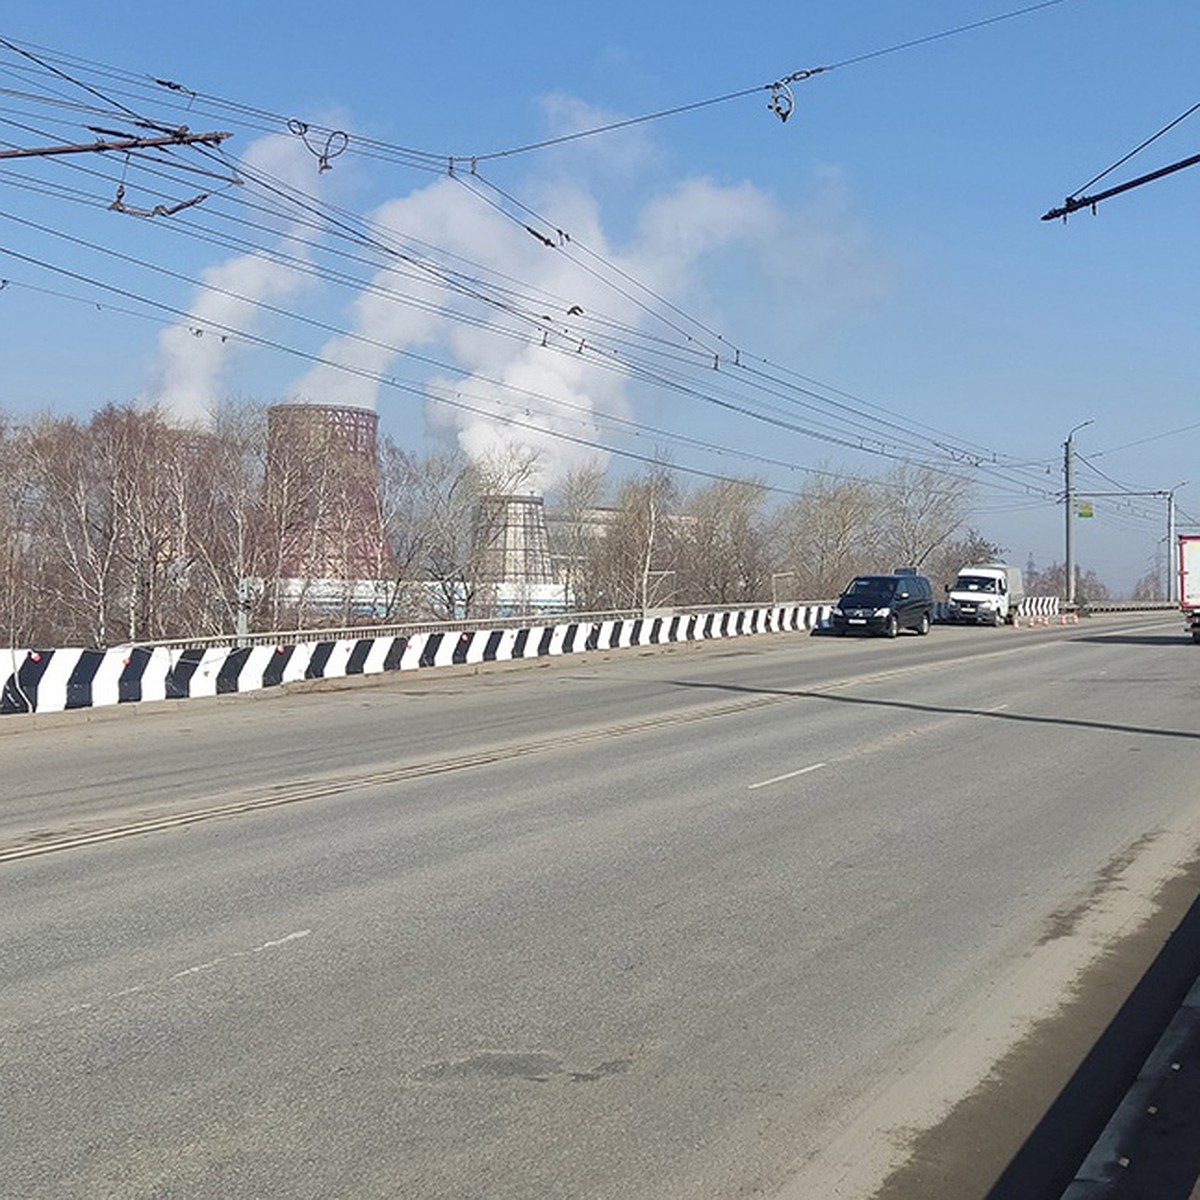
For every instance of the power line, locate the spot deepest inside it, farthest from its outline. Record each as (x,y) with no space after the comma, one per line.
(634,368)
(705,395)
(564,243)
(1128,488)
(658,379)
(1136,150)
(448,397)
(781,104)
(1154,437)
(590,417)
(175,88)
(1075,201)
(946,33)
(357,233)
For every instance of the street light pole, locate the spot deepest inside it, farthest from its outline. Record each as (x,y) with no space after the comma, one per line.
(1172,549)
(1069,496)
(775,576)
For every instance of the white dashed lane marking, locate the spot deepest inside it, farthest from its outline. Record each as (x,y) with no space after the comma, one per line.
(789,775)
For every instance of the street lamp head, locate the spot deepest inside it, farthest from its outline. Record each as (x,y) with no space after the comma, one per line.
(1081,425)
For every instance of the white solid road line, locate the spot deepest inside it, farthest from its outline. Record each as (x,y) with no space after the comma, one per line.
(789,775)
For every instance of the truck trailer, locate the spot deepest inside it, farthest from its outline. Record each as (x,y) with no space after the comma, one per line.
(1189,582)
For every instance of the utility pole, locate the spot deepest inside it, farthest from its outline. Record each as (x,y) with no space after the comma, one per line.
(1069,496)
(1172,549)
(1168,496)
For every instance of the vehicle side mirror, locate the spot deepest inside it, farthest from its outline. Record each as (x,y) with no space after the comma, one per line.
(947,589)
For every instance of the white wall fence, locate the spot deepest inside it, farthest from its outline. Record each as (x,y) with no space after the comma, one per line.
(58,680)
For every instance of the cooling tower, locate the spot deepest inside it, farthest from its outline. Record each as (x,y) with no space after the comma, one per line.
(512,541)
(323,491)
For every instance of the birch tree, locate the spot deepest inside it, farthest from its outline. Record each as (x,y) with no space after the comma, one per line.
(634,563)
(722,550)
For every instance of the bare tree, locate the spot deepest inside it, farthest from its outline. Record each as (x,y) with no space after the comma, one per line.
(144,466)
(402,511)
(439,525)
(921,510)
(289,538)
(947,560)
(722,547)
(229,552)
(77,522)
(634,564)
(575,527)
(1149,587)
(1052,581)
(23,619)
(829,534)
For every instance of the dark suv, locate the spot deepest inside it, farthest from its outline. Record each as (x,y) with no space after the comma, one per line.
(884,604)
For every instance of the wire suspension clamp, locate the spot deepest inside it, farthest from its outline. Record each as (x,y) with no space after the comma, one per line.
(782,103)
(335,143)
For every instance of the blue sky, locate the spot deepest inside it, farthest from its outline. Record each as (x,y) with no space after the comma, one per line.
(879,256)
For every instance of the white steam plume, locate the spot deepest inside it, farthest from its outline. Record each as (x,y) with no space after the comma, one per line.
(193,357)
(715,250)
(513,380)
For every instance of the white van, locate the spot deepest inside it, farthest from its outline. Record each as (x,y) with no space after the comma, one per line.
(989,594)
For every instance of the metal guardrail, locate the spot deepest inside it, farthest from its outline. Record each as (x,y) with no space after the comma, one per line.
(328,633)
(1119,606)
(291,637)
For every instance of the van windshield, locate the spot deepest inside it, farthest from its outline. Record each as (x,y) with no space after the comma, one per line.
(975,583)
(870,590)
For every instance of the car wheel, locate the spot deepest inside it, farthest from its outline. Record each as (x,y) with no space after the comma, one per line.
(923,628)
(892,627)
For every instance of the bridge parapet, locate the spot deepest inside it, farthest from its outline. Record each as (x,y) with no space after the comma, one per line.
(65,679)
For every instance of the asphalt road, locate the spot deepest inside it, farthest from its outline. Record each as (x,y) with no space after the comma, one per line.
(762,917)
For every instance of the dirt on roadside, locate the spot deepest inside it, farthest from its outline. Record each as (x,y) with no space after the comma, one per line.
(1023,1133)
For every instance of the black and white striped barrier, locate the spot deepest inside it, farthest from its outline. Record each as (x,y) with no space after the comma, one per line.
(1030,607)
(1039,606)
(57,680)
(1037,610)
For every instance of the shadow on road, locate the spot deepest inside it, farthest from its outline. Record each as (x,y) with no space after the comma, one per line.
(1164,1154)
(942,710)
(1138,639)
(1164,1157)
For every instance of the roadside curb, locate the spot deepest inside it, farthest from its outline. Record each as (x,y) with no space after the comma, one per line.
(1143,1136)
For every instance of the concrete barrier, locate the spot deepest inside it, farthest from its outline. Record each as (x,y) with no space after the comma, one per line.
(37,680)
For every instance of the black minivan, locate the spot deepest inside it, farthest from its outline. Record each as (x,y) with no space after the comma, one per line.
(884,604)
